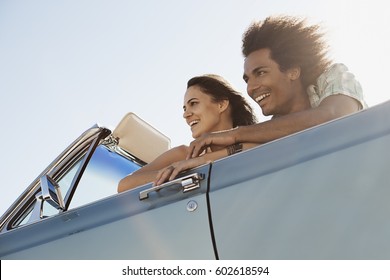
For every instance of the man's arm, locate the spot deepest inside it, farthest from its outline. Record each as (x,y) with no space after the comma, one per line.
(332,107)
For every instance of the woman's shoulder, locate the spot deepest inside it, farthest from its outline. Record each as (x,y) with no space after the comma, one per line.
(176,153)
(172,155)
(182,149)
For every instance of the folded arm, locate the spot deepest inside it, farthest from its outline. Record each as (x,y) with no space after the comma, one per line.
(330,108)
(170,172)
(148,173)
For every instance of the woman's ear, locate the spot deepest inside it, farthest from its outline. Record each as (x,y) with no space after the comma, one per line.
(223,105)
(294,73)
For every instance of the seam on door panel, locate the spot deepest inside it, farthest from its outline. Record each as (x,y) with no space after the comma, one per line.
(209,214)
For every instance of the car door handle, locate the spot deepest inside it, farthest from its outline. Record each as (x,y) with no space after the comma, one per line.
(188,182)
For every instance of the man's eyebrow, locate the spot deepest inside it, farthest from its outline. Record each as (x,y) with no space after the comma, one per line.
(254,71)
(258,68)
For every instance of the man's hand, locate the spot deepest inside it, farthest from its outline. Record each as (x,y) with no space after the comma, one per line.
(215,139)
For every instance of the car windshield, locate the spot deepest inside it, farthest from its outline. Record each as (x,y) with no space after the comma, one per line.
(100,179)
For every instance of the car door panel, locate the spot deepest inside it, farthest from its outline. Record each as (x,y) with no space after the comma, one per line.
(319,194)
(122,227)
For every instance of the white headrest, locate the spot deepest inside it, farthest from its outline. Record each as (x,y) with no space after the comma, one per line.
(140,139)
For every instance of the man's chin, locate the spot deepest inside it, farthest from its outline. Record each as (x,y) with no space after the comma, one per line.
(265,112)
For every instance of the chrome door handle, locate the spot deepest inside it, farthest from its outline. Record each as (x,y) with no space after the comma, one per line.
(189,182)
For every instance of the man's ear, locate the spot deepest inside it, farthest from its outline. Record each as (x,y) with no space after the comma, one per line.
(223,105)
(294,73)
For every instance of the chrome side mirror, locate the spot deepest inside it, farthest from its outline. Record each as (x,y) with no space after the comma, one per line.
(51,192)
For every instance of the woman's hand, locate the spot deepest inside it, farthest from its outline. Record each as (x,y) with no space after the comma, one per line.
(170,172)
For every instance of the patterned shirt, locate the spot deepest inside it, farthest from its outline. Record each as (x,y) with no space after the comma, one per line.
(336,80)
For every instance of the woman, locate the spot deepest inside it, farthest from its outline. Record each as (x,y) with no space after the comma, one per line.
(210,104)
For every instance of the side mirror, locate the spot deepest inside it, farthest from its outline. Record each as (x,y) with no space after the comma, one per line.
(51,192)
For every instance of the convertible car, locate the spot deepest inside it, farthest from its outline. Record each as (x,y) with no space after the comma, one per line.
(322,193)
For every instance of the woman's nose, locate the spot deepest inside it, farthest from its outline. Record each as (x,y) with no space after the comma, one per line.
(186,114)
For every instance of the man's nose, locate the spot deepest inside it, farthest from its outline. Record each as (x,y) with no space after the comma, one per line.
(251,87)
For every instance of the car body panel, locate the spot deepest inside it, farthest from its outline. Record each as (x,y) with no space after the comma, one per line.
(120,227)
(321,193)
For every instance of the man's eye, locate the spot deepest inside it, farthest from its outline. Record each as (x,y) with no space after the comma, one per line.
(260,73)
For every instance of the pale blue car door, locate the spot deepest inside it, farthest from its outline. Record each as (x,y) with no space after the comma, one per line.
(319,194)
(143,223)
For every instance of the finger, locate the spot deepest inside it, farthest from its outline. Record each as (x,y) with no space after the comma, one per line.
(164,176)
(198,149)
(190,150)
(158,176)
(185,165)
(175,172)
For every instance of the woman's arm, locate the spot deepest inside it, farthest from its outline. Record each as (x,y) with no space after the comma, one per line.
(172,170)
(149,172)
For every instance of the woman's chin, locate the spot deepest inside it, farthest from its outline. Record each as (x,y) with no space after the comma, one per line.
(195,135)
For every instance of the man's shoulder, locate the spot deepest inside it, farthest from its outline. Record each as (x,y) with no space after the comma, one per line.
(334,70)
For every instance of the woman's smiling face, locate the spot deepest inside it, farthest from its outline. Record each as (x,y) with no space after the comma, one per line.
(202,113)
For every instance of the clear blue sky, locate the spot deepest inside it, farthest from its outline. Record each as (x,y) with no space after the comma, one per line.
(66,65)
